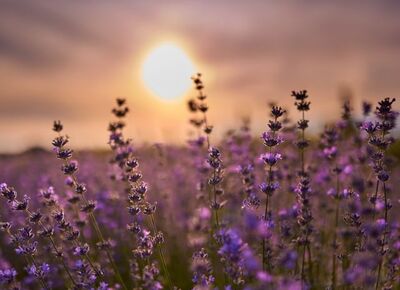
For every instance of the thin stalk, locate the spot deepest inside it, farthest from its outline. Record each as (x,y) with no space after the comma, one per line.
(205,120)
(334,245)
(267,205)
(215,201)
(378,279)
(310,265)
(56,251)
(302,174)
(385,229)
(207,135)
(99,234)
(161,253)
(336,224)
(296,269)
(214,195)
(302,149)
(383,239)
(214,172)
(386,204)
(110,258)
(263,240)
(303,262)
(41,280)
(101,238)
(88,259)
(375,197)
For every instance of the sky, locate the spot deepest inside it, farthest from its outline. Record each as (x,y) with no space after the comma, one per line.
(69,60)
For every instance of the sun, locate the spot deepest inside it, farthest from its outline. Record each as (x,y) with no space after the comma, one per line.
(166,72)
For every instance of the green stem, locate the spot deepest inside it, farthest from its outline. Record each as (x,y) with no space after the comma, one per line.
(334,244)
(109,256)
(42,281)
(100,236)
(310,264)
(303,262)
(56,251)
(336,224)
(161,253)
(382,253)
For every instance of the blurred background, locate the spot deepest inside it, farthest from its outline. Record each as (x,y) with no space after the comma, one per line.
(68,60)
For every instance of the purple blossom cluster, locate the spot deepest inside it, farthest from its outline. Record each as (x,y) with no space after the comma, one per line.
(290,210)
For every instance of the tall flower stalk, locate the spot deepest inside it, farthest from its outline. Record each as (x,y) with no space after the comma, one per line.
(214,162)
(138,203)
(199,222)
(214,155)
(380,140)
(303,189)
(69,168)
(271,158)
(330,152)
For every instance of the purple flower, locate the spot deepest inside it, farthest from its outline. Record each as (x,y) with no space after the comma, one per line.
(8,192)
(21,205)
(301,103)
(269,188)
(202,270)
(64,153)
(270,140)
(70,168)
(271,158)
(264,277)
(289,259)
(330,152)
(368,127)
(7,276)
(81,250)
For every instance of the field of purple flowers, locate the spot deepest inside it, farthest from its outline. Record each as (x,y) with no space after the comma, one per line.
(285,211)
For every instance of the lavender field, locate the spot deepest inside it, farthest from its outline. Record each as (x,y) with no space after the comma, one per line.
(285,210)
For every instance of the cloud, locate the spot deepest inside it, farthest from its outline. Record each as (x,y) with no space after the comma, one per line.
(42,34)
(29,107)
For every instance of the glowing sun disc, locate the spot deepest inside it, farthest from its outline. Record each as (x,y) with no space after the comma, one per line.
(166,72)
